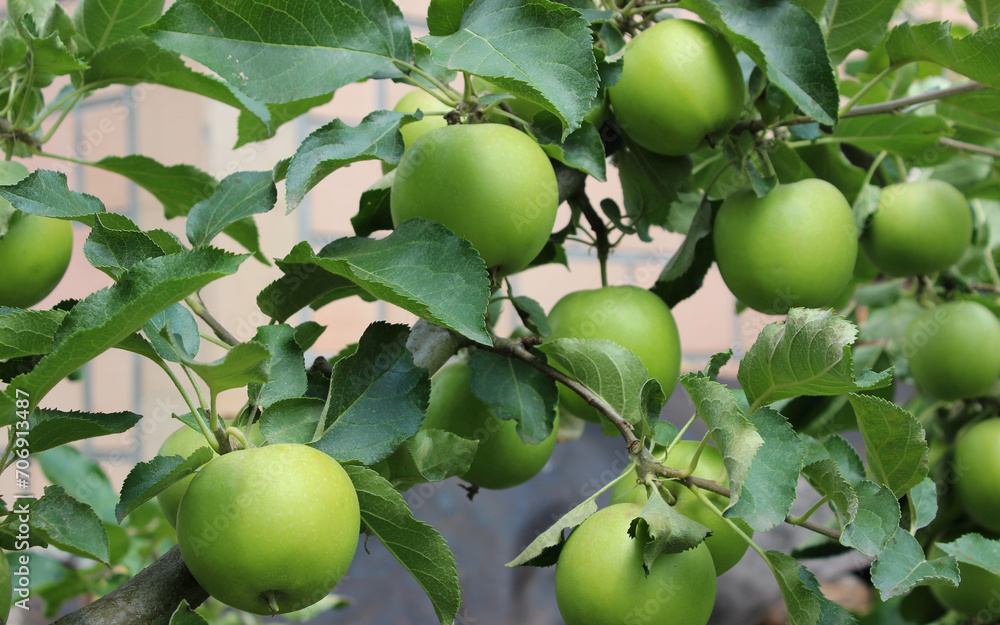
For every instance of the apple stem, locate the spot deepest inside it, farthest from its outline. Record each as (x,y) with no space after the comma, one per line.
(271,597)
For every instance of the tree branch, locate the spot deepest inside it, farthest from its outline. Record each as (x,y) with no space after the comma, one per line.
(962,146)
(149,598)
(198,307)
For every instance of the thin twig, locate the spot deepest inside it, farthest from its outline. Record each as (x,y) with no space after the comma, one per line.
(198,307)
(962,146)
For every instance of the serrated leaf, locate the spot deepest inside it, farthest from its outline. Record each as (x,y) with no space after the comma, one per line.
(975,550)
(895,442)
(876,520)
(377,398)
(251,128)
(292,420)
(769,488)
(665,530)
(49,55)
(538,50)
(421,267)
(973,56)
(115,244)
(27,332)
(242,364)
(685,273)
(46,193)
(785,41)
(806,604)
(445,16)
(337,145)
(107,317)
(615,374)
(52,428)
(374,210)
(417,546)
(532,314)
(81,477)
(177,323)
(856,24)
(185,615)
(439,455)
(807,354)
(985,12)
(307,333)
(103,22)
(238,196)
(304,285)
(582,149)
(735,436)
(545,546)
(902,565)
(515,390)
(148,479)
(74,527)
(286,372)
(13,49)
(650,184)
(285,51)
(907,135)
(924,501)
(825,476)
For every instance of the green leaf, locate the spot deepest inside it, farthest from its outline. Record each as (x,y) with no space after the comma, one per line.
(304,285)
(81,477)
(148,479)
(515,390)
(973,56)
(115,244)
(107,317)
(535,49)
(582,149)
(439,455)
(923,496)
(27,332)
(417,546)
(307,333)
(103,22)
(732,432)
(685,272)
(185,615)
(907,135)
(286,51)
(876,521)
(74,527)
(286,373)
(377,397)
(373,210)
(52,428)
(337,145)
(806,604)
(785,42)
(615,374)
(894,441)
(856,24)
(244,231)
(46,193)
(650,183)
(444,17)
(769,488)
(975,550)
(49,55)
(532,314)
(251,128)
(807,354)
(902,565)
(664,530)
(292,420)
(242,364)
(825,476)
(238,196)
(544,550)
(420,267)
(177,323)
(985,12)
(972,113)
(13,49)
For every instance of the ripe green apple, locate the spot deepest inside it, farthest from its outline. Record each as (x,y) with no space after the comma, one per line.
(600,578)
(411,102)
(918,227)
(977,462)
(680,82)
(954,350)
(502,459)
(796,246)
(271,529)
(727,547)
(35,251)
(488,183)
(979,590)
(6,588)
(633,317)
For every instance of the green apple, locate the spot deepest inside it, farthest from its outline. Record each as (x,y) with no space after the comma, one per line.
(488,183)
(977,462)
(954,350)
(34,252)
(633,317)
(726,545)
(796,246)
(502,459)
(978,592)
(600,578)
(680,83)
(918,227)
(271,529)
(411,102)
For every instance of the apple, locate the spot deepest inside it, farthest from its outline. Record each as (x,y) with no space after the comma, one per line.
(727,547)
(633,317)
(488,183)
(954,350)
(411,102)
(977,592)
(502,459)
(918,227)
(600,578)
(680,83)
(271,529)
(977,472)
(796,246)
(34,252)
